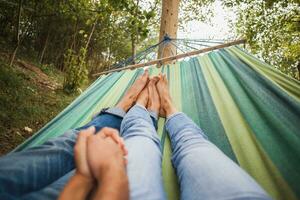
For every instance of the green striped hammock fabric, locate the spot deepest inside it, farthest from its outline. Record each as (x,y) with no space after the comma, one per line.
(247,108)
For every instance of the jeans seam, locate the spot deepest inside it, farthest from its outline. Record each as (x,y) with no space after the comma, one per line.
(248,195)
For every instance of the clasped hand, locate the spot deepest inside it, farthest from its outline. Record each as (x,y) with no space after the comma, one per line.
(96,154)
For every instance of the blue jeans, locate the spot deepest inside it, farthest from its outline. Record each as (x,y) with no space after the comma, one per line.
(204,172)
(41,172)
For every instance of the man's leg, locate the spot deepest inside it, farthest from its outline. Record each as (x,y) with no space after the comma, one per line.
(144,153)
(112,118)
(37,167)
(50,192)
(203,170)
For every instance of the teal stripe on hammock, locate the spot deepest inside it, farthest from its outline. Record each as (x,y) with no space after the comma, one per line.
(88,107)
(134,77)
(282,79)
(199,106)
(164,70)
(62,122)
(265,64)
(272,115)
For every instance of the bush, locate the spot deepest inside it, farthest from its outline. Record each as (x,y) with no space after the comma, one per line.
(76,70)
(25,102)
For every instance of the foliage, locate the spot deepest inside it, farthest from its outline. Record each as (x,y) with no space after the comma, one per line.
(272,30)
(199,10)
(24,103)
(49,28)
(139,18)
(76,70)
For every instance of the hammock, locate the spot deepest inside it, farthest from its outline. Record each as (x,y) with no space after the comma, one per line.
(247,108)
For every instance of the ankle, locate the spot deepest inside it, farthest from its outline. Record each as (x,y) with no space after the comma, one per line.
(153,109)
(122,106)
(169,108)
(172,110)
(142,102)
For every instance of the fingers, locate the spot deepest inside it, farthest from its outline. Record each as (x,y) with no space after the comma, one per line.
(125,161)
(80,151)
(104,133)
(122,149)
(82,138)
(114,135)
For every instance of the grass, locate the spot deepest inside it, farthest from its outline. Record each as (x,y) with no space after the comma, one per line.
(23,103)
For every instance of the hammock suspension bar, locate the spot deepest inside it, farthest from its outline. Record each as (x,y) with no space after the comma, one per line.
(179,56)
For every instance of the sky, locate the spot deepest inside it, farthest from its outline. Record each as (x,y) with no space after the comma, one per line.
(218,29)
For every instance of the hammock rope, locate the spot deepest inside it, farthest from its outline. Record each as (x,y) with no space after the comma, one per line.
(175,57)
(178,43)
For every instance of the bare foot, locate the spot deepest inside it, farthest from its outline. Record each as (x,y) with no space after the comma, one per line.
(133,92)
(154,101)
(167,107)
(143,97)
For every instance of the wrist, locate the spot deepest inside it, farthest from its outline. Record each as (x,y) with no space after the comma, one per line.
(87,181)
(78,187)
(110,170)
(114,184)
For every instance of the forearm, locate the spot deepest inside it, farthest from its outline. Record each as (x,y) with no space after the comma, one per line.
(77,188)
(113,185)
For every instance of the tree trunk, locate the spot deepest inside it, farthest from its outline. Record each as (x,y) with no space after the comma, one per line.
(168,26)
(73,44)
(298,67)
(17,35)
(134,34)
(91,34)
(133,48)
(44,48)
(12,58)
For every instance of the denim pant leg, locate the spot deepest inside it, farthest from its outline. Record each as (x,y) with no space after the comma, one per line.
(52,191)
(111,117)
(203,170)
(144,155)
(35,168)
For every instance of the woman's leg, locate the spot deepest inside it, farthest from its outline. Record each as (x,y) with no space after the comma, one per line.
(144,153)
(203,170)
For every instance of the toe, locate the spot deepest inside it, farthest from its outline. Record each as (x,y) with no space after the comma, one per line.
(165,79)
(144,77)
(152,82)
(155,79)
(146,73)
